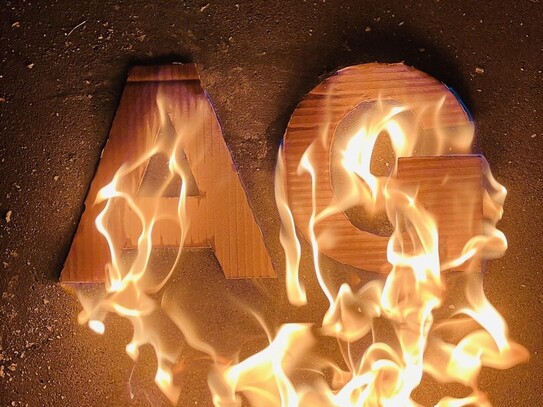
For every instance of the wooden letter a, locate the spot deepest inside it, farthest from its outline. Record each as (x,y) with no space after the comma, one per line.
(220,215)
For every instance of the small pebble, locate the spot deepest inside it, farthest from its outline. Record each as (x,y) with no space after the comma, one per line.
(368,29)
(479,70)
(533,135)
(8,216)
(56,177)
(30,66)
(16,24)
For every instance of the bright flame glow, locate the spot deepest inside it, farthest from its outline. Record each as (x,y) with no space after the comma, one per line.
(405,304)
(97,326)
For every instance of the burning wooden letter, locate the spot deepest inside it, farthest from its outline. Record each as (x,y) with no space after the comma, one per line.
(344,117)
(166,126)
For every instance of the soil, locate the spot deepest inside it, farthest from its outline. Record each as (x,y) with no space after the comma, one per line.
(62,70)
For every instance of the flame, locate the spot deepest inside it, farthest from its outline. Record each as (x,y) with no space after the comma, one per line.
(414,290)
(264,377)
(293,249)
(450,348)
(130,288)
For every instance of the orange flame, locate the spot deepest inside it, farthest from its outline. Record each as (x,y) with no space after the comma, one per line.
(387,372)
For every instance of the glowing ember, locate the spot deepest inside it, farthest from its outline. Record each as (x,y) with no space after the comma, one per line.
(450,345)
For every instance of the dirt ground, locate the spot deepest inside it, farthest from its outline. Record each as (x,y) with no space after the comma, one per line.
(62,70)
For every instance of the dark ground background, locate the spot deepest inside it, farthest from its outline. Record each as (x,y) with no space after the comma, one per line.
(59,90)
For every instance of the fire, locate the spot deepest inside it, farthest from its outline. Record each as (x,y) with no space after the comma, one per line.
(452,346)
